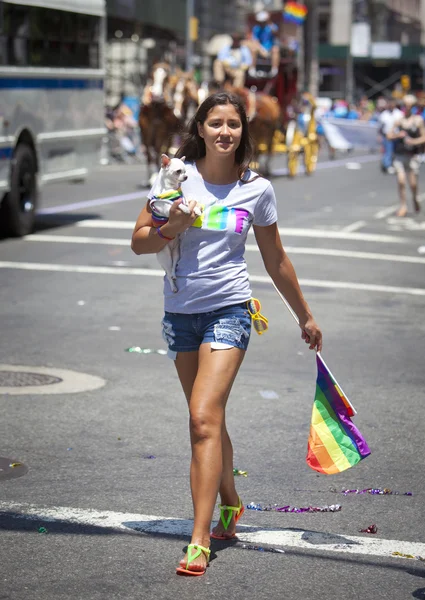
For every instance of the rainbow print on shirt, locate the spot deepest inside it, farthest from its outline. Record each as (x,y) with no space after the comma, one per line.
(221,218)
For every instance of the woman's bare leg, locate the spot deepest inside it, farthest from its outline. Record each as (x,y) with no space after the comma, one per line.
(216,372)
(413,182)
(228,494)
(401,180)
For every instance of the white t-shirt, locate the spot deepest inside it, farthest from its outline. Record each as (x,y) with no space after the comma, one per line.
(212,272)
(388,118)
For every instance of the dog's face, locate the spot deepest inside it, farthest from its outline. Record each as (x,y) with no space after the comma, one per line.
(173,172)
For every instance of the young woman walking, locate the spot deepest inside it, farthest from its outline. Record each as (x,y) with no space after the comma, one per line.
(207,323)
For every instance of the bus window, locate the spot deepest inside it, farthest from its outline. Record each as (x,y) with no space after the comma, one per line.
(44,37)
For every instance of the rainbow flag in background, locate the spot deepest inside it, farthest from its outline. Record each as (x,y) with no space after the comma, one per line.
(295,12)
(335,444)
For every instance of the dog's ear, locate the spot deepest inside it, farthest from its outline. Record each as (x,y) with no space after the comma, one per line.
(183,158)
(165,160)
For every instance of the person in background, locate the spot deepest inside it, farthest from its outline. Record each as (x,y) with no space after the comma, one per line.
(353,113)
(408,134)
(265,38)
(387,118)
(232,62)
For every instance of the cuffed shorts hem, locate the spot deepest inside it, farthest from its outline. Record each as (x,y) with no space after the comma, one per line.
(227,327)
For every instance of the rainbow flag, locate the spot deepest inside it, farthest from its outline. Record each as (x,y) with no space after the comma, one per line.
(335,444)
(295,12)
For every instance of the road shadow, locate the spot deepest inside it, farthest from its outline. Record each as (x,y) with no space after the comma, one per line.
(53,221)
(56,220)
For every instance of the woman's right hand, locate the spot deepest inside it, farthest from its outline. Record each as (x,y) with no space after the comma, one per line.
(178,221)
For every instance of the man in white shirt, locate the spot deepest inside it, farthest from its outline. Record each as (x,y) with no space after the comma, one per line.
(387,119)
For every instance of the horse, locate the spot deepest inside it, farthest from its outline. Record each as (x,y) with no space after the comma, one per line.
(264,115)
(185,93)
(166,101)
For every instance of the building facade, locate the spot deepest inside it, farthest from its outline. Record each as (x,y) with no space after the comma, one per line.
(370,47)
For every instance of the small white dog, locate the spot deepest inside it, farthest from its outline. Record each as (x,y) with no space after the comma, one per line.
(168,189)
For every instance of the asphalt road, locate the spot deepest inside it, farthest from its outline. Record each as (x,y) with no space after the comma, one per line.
(74,297)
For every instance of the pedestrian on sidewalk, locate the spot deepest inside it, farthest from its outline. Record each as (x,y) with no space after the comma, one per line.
(207,322)
(408,134)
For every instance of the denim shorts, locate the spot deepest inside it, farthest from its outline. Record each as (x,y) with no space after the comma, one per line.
(227,327)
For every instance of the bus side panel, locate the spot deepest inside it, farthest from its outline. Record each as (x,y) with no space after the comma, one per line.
(65,116)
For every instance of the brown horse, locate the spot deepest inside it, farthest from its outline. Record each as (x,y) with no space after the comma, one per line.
(166,103)
(264,116)
(184,90)
(157,121)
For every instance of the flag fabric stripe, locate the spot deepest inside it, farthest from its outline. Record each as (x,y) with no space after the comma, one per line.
(326,462)
(312,460)
(350,409)
(335,444)
(344,423)
(326,383)
(328,432)
(339,429)
(295,12)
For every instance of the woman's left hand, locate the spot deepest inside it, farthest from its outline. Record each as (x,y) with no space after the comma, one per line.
(312,334)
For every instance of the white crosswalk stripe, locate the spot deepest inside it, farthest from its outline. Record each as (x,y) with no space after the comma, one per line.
(282,538)
(249,248)
(314,283)
(284,231)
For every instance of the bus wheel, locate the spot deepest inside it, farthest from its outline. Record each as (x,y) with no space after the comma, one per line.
(20,203)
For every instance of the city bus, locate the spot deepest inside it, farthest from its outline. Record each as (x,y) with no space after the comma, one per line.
(51,100)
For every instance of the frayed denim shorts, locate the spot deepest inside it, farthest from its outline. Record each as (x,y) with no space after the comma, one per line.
(227,327)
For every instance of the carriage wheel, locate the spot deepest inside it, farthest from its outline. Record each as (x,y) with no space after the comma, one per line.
(293,152)
(292,163)
(311,151)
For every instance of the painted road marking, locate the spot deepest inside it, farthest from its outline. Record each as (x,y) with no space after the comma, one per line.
(105,224)
(330,164)
(314,283)
(381,214)
(407,223)
(354,226)
(96,202)
(135,523)
(75,239)
(285,231)
(350,254)
(70,239)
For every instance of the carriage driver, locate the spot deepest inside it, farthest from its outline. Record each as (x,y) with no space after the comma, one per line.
(265,41)
(232,62)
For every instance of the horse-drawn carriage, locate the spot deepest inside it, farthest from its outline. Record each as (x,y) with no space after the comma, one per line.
(294,133)
(291,134)
(279,122)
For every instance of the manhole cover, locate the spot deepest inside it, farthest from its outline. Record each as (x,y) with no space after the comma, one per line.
(22,379)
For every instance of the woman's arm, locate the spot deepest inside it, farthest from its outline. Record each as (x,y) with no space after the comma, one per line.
(145,238)
(280,269)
